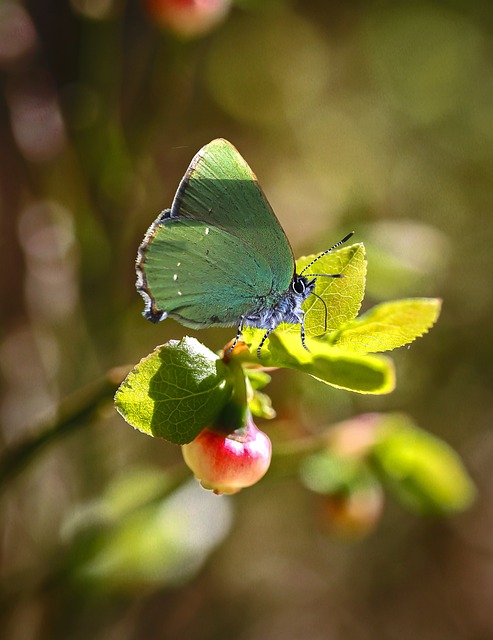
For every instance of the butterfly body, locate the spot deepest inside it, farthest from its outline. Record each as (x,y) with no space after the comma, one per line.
(286,307)
(219,256)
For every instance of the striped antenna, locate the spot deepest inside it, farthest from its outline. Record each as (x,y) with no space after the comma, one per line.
(337,244)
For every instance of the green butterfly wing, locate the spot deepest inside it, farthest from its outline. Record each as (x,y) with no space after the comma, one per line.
(220,251)
(220,188)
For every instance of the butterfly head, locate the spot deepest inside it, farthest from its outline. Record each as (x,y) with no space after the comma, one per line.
(302,286)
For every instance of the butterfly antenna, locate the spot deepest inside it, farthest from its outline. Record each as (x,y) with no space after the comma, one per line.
(337,244)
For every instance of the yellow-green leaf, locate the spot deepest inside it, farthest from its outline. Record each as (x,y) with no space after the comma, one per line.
(341,369)
(341,297)
(175,391)
(388,325)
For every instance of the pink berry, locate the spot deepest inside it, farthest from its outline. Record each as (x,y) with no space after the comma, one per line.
(188,18)
(226,463)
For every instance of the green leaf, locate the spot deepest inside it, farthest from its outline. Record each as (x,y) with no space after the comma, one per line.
(261,405)
(327,473)
(154,537)
(175,392)
(257,378)
(388,325)
(341,369)
(422,471)
(342,296)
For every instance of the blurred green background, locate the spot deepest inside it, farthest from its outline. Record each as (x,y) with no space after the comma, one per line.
(375,116)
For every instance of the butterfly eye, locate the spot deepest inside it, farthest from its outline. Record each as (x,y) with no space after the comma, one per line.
(298,285)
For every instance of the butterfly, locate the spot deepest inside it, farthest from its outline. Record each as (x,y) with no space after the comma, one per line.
(219,257)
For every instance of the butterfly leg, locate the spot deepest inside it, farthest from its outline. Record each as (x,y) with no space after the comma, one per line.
(259,348)
(237,337)
(302,331)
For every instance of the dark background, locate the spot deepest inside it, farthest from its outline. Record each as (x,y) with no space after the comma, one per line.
(373,116)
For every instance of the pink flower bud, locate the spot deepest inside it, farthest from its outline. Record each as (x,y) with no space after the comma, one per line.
(226,463)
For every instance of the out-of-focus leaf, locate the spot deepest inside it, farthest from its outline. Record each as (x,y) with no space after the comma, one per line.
(353,496)
(422,471)
(261,405)
(257,378)
(328,473)
(159,541)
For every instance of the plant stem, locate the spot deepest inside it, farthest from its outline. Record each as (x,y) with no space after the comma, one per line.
(240,390)
(73,412)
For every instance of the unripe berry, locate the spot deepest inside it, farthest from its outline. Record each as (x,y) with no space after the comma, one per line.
(354,515)
(226,463)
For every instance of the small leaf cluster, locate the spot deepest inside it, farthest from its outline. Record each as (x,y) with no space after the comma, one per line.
(342,346)
(183,387)
(376,452)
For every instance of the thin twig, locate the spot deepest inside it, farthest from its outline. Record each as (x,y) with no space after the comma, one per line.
(74,411)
